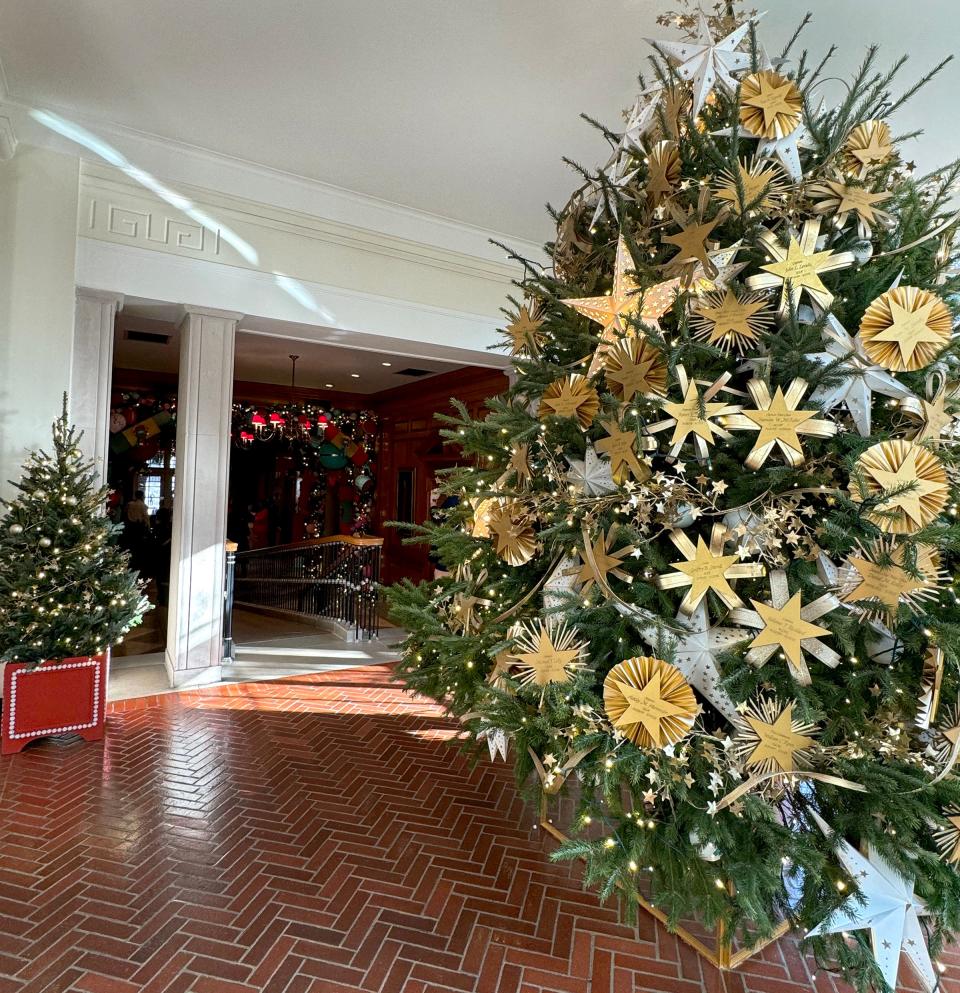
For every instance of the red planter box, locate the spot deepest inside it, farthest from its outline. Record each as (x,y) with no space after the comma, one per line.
(55,698)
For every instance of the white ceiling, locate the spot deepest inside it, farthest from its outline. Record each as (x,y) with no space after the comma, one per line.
(458,107)
(263,356)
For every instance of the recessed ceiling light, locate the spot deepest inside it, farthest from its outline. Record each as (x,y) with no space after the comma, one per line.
(329,386)
(386,363)
(355,375)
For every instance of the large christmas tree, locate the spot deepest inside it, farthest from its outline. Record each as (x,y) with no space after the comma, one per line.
(700,568)
(66,588)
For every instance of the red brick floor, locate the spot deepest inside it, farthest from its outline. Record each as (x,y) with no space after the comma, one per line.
(310,835)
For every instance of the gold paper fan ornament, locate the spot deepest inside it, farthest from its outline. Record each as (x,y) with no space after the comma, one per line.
(771,106)
(649,701)
(512,532)
(634,366)
(868,145)
(570,397)
(524,332)
(663,171)
(895,465)
(905,328)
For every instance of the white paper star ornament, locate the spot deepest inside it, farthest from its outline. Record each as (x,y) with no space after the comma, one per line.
(884,903)
(707,62)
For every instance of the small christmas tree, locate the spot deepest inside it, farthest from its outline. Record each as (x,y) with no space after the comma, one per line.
(66,588)
(702,562)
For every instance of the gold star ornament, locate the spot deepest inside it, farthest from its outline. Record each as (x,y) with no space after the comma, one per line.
(770,740)
(620,447)
(547,653)
(914,476)
(788,627)
(599,563)
(570,397)
(867,146)
(525,334)
(520,464)
(930,419)
(649,702)
(626,302)
(754,186)
(905,328)
(835,198)
(771,106)
(779,422)
(512,532)
(875,581)
(705,568)
(634,366)
(730,322)
(798,267)
(695,415)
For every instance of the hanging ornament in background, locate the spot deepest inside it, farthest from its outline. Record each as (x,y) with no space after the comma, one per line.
(547,653)
(707,62)
(883,901)
(769,740)
(786,626)
(695,414)
(931,679)
(868,145)
(331,457)
(620,446)
(771,106)
(598,564)
(512,532)
(763,185)
(730,322)
(916,474)
(905,328)
(524,331)
(635,366)
(861,377)
(649,702)
(797,268)
(571,397)
(779,423)
(705,568)
(875,582)
(591,475)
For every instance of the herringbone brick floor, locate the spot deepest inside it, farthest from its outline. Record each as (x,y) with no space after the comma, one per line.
(310,835)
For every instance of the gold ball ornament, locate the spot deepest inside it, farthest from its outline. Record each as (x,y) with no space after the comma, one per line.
(905,328)
(771,106)
(649,701)
(868,145)
(891,466)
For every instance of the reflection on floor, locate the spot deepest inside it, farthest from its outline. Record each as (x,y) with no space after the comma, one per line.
(266,648)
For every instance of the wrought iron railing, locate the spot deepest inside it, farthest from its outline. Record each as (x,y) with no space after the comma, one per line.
(337,578)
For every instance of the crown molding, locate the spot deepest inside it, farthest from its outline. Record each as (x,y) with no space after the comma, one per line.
(176,162)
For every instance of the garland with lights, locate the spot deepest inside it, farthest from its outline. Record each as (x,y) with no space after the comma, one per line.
(340,447)
(66,588)
(704,588)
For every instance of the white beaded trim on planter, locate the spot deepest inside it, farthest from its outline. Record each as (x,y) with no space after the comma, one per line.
(53,668)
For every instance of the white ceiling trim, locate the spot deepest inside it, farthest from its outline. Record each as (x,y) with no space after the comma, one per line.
(177,162)
(357,320)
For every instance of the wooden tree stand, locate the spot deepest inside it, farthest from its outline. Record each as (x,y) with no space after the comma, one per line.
(716,947)
(68,696)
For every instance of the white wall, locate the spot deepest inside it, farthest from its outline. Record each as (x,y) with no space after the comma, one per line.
(38,243)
